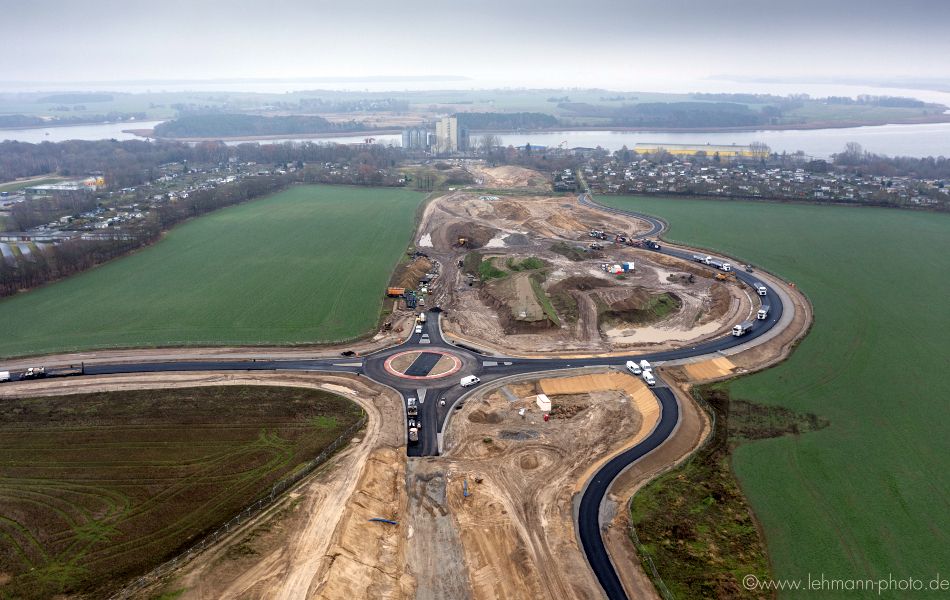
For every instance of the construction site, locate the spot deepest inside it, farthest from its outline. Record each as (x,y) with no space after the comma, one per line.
(490,511)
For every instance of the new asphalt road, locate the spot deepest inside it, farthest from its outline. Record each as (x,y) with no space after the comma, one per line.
(436,397)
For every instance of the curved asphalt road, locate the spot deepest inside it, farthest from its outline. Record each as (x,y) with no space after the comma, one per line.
(432,413)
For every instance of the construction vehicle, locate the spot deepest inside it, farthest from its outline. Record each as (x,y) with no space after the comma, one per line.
(35,373)
(596,246)
(460,243)
(763,313)
(724,277)
(395,292)
(742,328)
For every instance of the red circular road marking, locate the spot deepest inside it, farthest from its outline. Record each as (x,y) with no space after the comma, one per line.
(389,368)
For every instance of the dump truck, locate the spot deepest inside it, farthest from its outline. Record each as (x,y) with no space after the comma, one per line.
(395,292)
(742,328)
(724,277)
(760,289)
(763,313)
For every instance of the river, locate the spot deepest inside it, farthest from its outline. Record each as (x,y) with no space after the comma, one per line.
(931,139)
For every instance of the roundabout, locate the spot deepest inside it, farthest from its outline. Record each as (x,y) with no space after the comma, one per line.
(422,364)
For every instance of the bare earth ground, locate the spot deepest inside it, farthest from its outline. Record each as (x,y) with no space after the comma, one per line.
(507,176)
(516,526)
(519,227)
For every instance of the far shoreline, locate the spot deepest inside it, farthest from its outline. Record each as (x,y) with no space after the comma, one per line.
(923,120)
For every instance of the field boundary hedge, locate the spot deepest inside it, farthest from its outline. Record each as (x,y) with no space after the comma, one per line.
(139,584)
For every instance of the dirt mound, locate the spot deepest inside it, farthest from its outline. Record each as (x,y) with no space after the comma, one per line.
(409,274)
(511,211)
(475,235)
(481,416)
(528,462)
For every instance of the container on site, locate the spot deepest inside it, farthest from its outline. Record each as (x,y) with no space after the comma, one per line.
(633,367)
(469,380)
(645,365)
(763,313)
(394,292)
(628,266)
(760,289)
(742,328)
(648,378)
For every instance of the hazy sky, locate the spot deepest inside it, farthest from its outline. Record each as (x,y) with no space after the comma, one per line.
(610,43)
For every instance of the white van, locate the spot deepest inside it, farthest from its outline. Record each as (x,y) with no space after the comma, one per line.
(633,367)
(4,376)
(648,378)
(645,365)
(469,381)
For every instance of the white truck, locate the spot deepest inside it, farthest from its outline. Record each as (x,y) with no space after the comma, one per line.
(35,373)
(4,376)
(421,318)
(412,409)
(633,367)
(763,313)
(726,267)
(645,365)
(413,435)
(648,378)
(760,289)
(742,328)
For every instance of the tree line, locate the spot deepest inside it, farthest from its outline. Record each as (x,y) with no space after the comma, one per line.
(236,125)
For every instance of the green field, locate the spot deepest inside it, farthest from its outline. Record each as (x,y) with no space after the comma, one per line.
(306,265)
(99,487)
(865,497)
